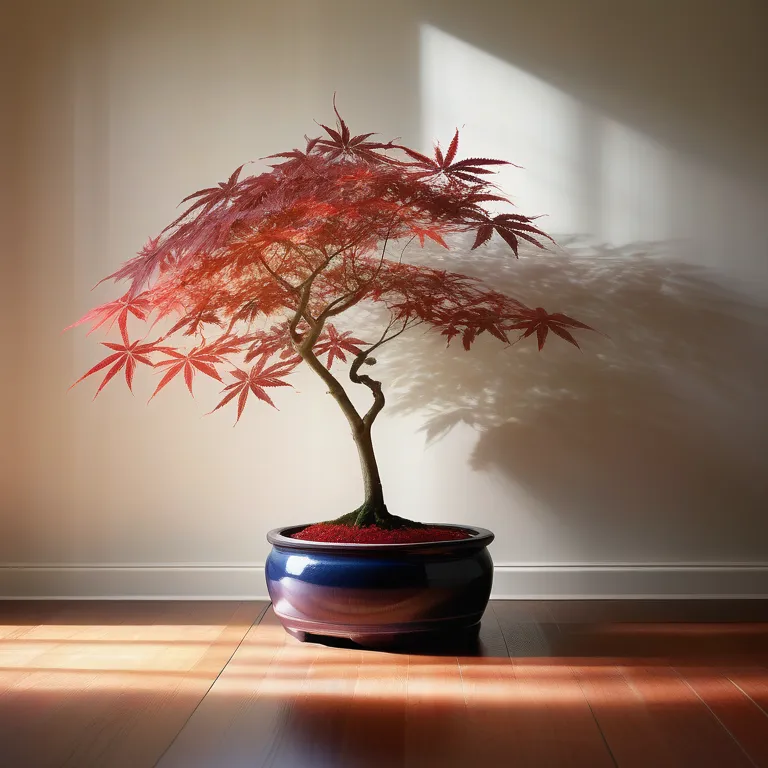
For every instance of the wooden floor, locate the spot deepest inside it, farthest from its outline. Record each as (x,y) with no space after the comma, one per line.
(218,685)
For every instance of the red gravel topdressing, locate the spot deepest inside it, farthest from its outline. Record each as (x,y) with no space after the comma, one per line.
(344,534)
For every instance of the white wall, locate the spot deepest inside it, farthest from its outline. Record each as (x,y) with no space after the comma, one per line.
(624,469)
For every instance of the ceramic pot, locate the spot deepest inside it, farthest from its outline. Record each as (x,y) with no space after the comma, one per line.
(377,594)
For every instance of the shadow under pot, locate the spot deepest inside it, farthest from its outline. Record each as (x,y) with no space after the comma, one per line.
(380,594)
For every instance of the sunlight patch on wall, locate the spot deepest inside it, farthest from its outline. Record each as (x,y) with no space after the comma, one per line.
(588,173)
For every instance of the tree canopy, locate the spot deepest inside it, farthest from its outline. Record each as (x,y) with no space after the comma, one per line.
(256,270)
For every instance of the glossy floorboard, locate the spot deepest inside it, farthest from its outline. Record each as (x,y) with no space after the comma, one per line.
(219,685)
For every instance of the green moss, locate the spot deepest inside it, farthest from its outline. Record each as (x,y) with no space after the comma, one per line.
(374,514)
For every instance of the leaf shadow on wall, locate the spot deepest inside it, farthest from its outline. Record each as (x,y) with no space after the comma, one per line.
(655,427)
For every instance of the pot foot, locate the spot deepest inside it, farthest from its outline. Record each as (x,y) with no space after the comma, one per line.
(298,634)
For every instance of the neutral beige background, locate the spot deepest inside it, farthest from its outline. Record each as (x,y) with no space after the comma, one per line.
(642,129)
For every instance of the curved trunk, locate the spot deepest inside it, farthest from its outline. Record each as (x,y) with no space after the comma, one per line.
(373,510)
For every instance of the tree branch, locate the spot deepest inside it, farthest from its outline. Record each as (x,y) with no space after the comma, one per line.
(329,259)
(379,401)
(303,346)
(334,387)
(343,303)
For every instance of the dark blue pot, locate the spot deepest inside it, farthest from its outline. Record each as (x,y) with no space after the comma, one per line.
(379,593)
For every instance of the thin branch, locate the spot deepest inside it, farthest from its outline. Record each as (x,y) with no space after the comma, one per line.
(343,303)
(379,401)
(402,253)
(384,338)
(282,281)
(330,258)
(334,386)
(302,314)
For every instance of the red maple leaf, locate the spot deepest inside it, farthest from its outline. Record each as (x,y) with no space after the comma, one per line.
(510,227)
(124,356)
(470,322)
(202,358)
(540,322)
(295,156)
(466,170)
(138,306)
(267,343)
(255,381)
(195,322)
(141,268)
(432,234)
(335,344)
(210,197)
(342,144)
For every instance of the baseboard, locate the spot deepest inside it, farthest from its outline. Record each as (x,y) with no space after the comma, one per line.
(630,581)
(511,581)
(133,582)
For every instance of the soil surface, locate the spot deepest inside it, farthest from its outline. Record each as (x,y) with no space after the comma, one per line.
(372,534)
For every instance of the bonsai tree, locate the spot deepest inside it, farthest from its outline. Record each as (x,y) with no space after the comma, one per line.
(258,274)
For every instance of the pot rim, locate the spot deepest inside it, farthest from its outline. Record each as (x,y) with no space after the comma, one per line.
(480,537)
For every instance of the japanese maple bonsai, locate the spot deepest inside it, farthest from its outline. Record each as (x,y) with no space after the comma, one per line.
(258,272)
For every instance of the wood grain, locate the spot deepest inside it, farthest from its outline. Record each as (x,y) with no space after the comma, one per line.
(737,712)
(109,684)
(194,684)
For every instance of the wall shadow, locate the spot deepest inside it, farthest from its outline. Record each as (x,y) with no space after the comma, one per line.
(695,93)
(659,424)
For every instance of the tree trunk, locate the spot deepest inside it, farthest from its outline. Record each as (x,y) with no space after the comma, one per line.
(373,511)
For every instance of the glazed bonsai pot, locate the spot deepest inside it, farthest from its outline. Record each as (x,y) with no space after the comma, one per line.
(377,594)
